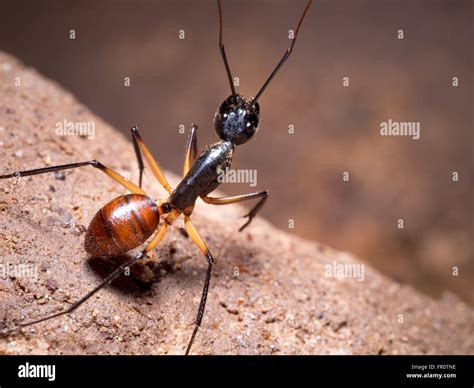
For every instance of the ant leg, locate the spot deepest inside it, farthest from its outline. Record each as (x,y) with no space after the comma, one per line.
(106,281)
(138,154)
(151,161)
(130,186)
(241,198)
(191,149)
(115,274)
(192,232)
(191,154)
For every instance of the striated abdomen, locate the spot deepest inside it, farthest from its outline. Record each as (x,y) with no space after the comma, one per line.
(121,225)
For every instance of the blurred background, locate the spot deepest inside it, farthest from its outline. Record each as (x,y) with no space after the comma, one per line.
(176,82)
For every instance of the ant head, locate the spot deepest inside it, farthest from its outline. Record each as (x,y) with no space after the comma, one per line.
(237,119)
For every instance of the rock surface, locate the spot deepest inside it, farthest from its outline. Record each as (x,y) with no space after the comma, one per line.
(270,292)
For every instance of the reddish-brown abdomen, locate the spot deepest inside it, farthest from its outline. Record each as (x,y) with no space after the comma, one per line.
(123,224)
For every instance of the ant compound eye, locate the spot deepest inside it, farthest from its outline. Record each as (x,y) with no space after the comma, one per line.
(249,125)
(251,121)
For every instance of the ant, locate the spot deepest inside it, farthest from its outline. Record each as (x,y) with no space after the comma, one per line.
(129,220)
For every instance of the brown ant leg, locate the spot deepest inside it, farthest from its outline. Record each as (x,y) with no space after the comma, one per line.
(191,149)
(138,154)
(130,186)
(193,233)
(106,281)
(241,198)
(151,161)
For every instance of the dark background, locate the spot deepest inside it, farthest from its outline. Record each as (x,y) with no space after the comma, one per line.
(177,82)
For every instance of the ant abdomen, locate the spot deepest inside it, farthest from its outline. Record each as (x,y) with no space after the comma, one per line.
(124,223)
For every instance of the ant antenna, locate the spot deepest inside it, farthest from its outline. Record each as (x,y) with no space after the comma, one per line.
(285,57)
(221,46)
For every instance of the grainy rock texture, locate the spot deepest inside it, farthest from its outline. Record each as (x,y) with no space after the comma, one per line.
(269,293)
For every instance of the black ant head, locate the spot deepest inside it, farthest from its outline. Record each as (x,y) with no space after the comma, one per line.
(237,119)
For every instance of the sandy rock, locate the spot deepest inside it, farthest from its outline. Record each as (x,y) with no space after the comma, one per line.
(270,292)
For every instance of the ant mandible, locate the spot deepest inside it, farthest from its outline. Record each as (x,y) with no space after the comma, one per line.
(129,220)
